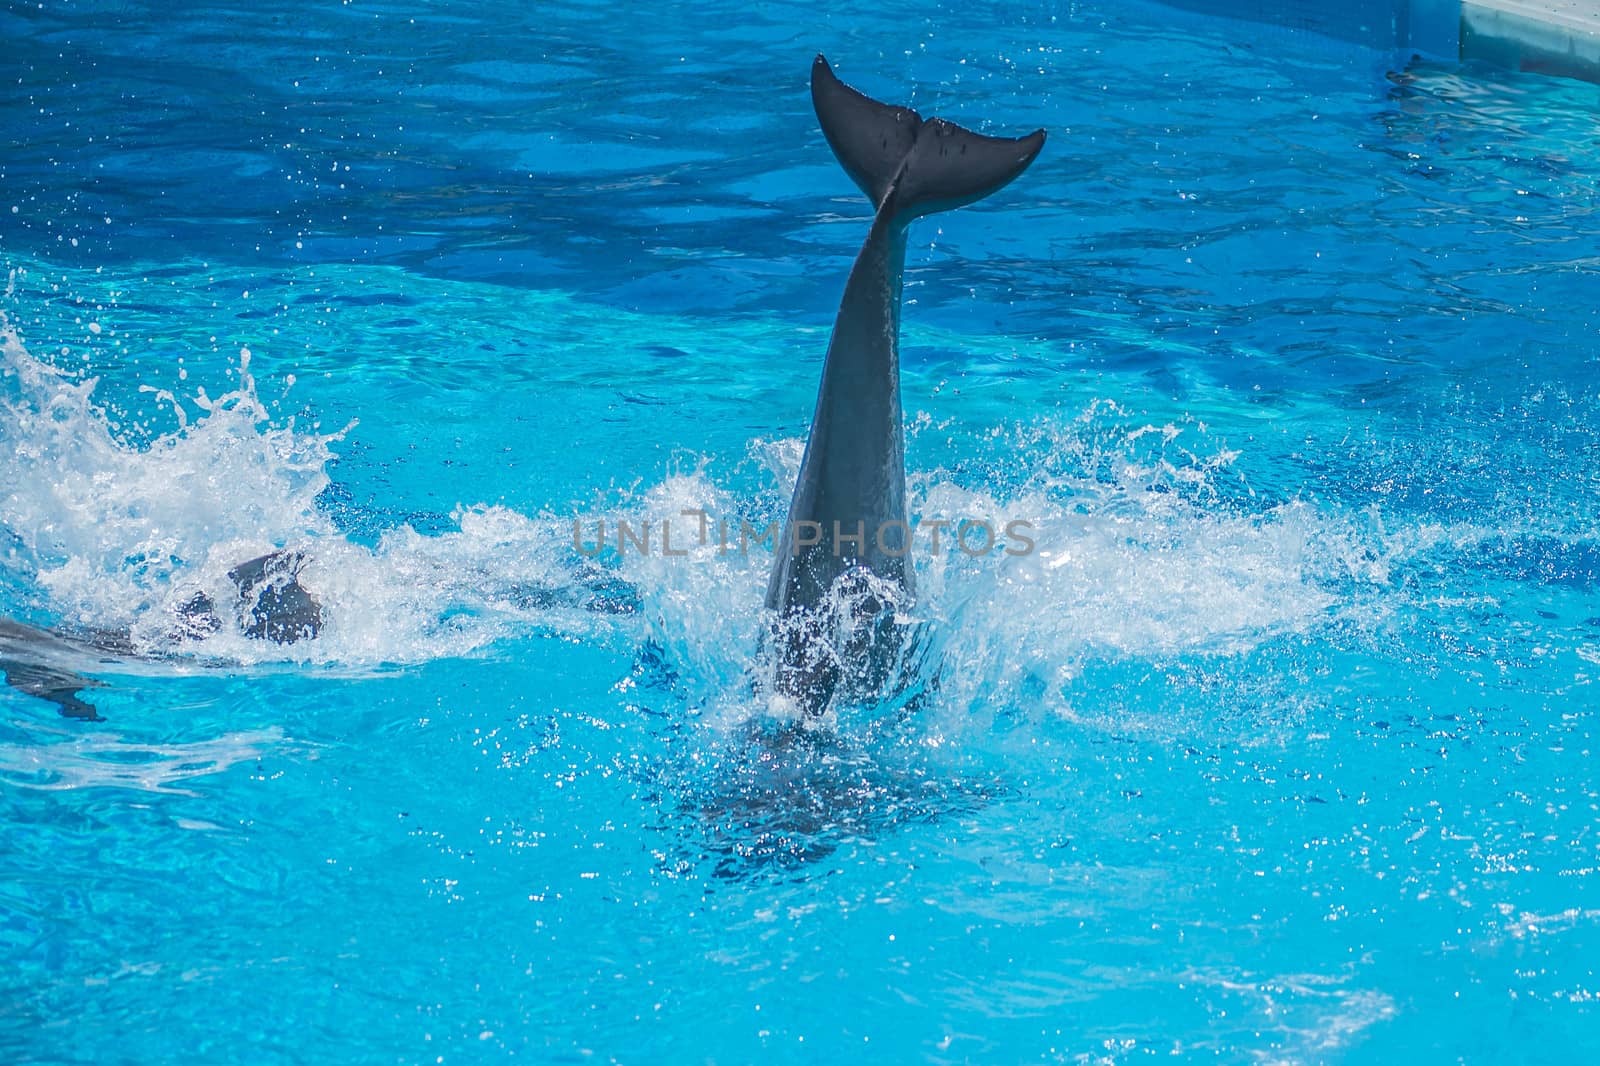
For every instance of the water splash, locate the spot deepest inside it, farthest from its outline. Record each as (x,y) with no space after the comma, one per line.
(1132,555)
(114,536)
(107,529)
(1147,552)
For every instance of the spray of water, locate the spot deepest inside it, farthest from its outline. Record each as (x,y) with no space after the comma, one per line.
(117,535)
(1135,554)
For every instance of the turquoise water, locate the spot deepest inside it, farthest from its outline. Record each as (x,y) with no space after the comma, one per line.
(1281,747)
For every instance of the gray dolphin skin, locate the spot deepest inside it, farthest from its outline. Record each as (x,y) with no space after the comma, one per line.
(45,664)
(848,514)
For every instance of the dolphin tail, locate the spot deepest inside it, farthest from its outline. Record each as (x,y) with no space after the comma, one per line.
(907,164)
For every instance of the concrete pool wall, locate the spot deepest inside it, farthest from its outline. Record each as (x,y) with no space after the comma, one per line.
(1560,37)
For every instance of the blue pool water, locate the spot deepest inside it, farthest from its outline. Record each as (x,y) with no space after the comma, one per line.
(1281,747)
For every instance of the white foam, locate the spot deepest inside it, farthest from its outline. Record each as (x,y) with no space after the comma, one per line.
(108,525)
(1138,553)
(1137,558)
(118,534)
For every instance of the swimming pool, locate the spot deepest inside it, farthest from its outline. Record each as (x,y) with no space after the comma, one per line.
(1281,746)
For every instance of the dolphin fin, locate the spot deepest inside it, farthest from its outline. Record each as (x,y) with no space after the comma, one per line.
(276,606)
(913,165)
(60,687)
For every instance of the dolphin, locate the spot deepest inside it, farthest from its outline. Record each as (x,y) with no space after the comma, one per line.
(271,605)
(843,553)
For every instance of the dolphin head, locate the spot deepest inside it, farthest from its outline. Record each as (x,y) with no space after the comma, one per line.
(275,606)
(272,604)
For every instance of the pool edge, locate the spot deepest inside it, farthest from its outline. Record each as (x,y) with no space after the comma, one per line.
(1551,37)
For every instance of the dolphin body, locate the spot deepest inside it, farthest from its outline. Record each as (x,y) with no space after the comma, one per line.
(272,605)
(843,552)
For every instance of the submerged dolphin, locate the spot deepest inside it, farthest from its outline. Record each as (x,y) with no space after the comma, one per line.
(848,518)
(272,605)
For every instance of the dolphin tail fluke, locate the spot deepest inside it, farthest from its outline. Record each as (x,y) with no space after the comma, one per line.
(913,166)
